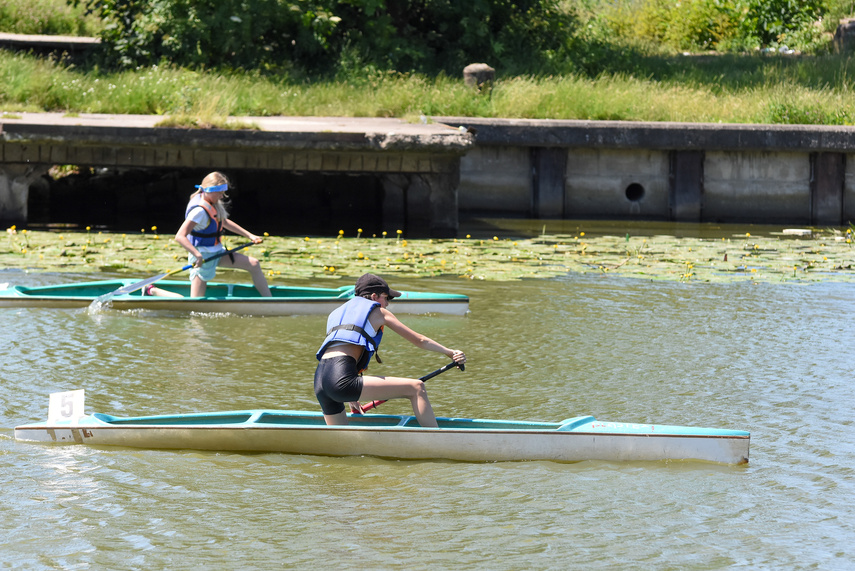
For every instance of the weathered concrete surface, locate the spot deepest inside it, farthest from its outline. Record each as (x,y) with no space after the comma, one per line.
(849,187)
(47,43)
(496,179)
(428,173)
(844,36)
(15,183)
(273,133)
(752,185)
(667,171)
(686,172)
(418,164)
(664,136)
(598,182)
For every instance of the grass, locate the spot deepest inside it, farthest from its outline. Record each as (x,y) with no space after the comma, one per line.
(727,89)
(826,255)
(50,17)
(612,77)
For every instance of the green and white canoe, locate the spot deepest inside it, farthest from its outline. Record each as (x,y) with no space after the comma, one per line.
(388,436)
(239,299)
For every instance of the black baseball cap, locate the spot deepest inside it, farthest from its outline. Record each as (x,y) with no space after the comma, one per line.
(369,283)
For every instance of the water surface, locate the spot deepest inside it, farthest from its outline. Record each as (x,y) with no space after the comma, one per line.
(772,359)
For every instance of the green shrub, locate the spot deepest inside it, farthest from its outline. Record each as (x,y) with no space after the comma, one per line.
(772,21)
(211,33)
(720,25)
(405,35)
(690,25)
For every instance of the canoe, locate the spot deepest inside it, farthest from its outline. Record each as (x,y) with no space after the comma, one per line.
(239,299)
(392,436)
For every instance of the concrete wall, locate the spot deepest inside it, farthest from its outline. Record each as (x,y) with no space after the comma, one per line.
(617,184)
(410,169)
(496,179)
(637,184)
(849,188)
(596,183)
(783,174)
(752,185)
(425,174)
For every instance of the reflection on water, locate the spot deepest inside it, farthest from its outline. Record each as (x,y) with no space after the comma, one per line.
(771,359)
(509,227)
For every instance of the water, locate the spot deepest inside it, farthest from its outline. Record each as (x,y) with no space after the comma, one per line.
(772,359)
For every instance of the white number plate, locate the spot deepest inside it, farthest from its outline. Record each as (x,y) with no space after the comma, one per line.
(66,407)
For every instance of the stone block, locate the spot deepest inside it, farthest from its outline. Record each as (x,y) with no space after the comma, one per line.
(844,36)
(479,76)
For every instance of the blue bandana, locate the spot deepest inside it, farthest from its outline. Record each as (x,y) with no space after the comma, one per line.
(217,188)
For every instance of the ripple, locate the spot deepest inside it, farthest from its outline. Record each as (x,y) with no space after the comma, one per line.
(767,358)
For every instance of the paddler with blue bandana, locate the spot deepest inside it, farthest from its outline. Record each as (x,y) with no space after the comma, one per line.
(354,331)
(206,219)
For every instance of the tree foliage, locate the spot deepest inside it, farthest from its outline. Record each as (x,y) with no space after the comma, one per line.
(771,20)
(405,35)
(721,25)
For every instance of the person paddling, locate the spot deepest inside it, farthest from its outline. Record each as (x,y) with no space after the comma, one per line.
(206,219)
(354,331)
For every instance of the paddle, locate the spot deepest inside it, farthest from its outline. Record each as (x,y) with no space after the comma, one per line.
(461,366)
(103,299)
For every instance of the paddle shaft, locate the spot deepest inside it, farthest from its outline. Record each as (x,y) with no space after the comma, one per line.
(453,364)
(141,284)
(215,256)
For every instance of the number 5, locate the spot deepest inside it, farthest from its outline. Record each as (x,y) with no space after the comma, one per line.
(66,407)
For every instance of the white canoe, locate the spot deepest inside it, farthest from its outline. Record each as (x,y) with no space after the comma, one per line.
(238,299)
(394,436)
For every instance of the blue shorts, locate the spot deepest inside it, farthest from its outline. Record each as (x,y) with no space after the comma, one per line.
(336,382)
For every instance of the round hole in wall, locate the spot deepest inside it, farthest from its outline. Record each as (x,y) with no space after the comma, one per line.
(634,192)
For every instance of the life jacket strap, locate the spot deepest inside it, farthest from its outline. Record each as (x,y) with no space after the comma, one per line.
(361,331)
(207,234)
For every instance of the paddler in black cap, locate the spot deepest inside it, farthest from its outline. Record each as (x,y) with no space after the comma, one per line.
(354,331)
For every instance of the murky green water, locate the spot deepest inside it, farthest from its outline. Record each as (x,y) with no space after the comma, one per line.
(773,359)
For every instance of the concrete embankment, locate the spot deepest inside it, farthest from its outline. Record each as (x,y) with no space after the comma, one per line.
(686,172)
(317,175)
(299,174)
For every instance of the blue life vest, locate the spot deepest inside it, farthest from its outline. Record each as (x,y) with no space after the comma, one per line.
(347,323)
(210,235)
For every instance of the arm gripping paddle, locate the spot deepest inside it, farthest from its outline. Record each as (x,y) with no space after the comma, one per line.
(103,300)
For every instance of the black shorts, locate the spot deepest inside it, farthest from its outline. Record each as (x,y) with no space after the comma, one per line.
(337,382)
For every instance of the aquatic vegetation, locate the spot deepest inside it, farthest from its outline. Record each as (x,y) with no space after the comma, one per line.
(811,255)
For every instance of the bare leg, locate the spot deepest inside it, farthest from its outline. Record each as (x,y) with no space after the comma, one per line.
(152,290)
(384,388)
(336,419)
(198,287)
(251,265)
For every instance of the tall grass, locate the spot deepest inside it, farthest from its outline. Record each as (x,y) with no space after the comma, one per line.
(50,17)
(617,80)
(813,90)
